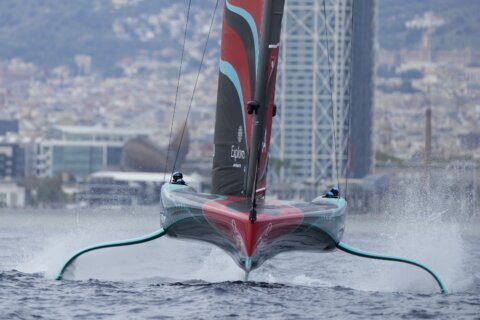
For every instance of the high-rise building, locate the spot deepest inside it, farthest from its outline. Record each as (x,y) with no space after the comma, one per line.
(361,157)
(310,143)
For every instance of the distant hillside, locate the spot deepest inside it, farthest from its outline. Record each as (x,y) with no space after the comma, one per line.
(461,28)
(50,32)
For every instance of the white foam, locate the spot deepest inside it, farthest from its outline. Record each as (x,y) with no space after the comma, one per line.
(424,226)
(217,266)
(418,225)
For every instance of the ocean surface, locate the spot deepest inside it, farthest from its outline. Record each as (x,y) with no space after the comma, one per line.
(172,279)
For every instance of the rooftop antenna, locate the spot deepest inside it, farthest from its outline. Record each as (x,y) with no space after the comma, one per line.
(428,143)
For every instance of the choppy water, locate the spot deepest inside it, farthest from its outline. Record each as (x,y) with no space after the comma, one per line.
(168,278)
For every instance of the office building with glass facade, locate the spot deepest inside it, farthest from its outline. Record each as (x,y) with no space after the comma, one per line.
(81,151)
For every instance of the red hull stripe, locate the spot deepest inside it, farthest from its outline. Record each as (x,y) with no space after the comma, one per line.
(234,223)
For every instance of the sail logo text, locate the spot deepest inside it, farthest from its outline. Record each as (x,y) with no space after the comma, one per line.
(237,153)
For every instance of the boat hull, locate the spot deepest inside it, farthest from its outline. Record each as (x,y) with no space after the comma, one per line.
(280,226)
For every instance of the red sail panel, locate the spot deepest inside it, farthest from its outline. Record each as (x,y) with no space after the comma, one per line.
(236,85)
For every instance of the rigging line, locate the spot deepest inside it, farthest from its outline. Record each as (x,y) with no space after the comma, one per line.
(195,85)
(331,93)
(176,90)
(349,103)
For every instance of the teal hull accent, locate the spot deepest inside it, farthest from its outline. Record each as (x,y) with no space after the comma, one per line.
(357,252)
(281,226)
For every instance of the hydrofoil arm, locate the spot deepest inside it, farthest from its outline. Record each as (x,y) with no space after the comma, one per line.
(149,237)
(357,252)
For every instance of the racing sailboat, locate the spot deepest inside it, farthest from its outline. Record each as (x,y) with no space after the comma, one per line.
(237,216)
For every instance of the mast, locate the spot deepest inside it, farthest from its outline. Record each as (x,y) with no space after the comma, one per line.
(262,107)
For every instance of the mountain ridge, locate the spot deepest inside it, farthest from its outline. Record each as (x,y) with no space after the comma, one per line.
(50,33)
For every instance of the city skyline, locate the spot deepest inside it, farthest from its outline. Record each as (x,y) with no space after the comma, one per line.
(141,95)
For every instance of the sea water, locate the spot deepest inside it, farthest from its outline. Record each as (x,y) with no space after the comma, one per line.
(173,279)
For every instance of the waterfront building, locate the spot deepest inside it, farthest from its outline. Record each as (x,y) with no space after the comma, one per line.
(11,195)
(130,188)
(81,151)
(12,159)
